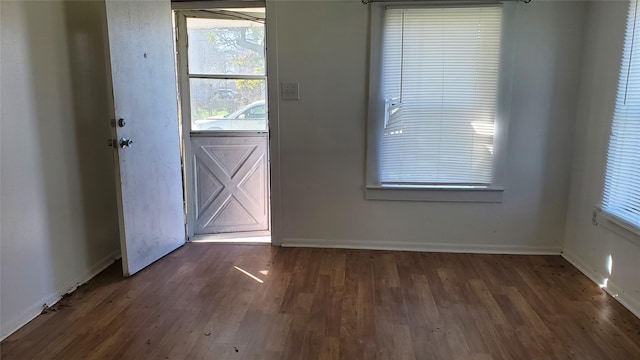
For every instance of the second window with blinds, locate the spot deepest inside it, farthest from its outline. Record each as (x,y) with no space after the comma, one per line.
(433,104)
(621,195)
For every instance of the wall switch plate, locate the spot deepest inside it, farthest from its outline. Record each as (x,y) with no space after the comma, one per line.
(290,91)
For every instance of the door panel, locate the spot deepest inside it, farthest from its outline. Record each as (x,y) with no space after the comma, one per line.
(231,184)
(144,92)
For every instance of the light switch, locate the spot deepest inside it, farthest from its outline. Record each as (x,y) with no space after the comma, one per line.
(290,91)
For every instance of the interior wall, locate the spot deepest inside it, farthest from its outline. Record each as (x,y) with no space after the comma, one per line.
(59,216)
(586,245)
(323,45)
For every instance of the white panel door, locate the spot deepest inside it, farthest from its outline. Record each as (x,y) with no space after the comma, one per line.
(231,184)
(144,90)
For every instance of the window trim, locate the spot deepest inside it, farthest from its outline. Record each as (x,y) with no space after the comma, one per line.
(615,224)
(432,193)
(374,188)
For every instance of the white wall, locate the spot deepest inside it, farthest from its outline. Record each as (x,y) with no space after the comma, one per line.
(59,217)
(323,45)
(586,245)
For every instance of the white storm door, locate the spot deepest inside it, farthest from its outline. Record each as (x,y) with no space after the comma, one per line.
(231,183)
(144,90)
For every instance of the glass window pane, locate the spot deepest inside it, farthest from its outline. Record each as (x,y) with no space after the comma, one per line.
(228,105)
(226,47)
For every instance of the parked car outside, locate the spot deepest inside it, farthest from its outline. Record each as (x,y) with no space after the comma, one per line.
(250,117)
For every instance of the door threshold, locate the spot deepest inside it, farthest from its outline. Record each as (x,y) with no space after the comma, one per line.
(259,237)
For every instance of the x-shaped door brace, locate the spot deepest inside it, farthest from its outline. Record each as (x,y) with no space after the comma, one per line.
(237,171)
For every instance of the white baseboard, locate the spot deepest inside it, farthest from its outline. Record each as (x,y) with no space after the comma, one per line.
(36,308)
(627,300)
(422,246)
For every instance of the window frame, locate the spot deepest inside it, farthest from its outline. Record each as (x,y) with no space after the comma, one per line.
(492,193)
(185,76)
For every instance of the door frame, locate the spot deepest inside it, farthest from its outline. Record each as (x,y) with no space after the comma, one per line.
(189,9)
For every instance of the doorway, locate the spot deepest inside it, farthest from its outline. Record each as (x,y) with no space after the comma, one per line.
(221,70)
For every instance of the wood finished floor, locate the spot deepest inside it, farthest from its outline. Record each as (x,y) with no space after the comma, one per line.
(198,303)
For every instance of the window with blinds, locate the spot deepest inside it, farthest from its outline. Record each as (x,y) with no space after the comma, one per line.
(439,84)
(621,196)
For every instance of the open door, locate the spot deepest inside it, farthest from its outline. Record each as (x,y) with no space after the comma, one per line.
(146,132)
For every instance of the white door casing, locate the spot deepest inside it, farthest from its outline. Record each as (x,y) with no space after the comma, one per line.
(226,172)
(231,184)
(149,181)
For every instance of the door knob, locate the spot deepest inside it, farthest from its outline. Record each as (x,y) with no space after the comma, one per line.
(125,143)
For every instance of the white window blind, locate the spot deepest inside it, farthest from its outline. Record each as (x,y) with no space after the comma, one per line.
(621,196)
(439,83)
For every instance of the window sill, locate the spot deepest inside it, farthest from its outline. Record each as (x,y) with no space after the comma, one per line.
(434,193)
(618,226)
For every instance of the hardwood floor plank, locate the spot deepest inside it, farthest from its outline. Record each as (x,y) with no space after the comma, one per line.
(213,301)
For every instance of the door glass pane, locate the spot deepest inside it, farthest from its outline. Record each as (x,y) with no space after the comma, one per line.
(228,105)
(226,47)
